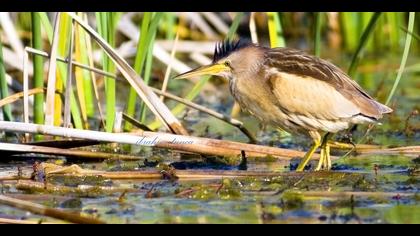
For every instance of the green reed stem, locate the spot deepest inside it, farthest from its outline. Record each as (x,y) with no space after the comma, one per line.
(408,38)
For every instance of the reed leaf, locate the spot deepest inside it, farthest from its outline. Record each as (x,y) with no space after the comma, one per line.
(38,76)
(107,22)
(147,31)
(318,27)
(275,30)
(408,37)
(147,76)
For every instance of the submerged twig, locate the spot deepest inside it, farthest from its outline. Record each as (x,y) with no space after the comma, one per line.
(135,122)
(180,174)
(23,148)
(46,211)
(80,190)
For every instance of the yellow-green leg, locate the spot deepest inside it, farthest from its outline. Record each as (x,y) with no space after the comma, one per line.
(317,142)
(327,156)
(322,160)
(325,159)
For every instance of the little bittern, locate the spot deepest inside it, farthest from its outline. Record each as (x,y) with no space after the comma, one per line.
(294,91)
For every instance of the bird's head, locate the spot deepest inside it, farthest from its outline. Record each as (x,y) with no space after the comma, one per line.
(230,58)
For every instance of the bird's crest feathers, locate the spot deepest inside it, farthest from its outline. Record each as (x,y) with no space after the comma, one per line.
(225,48)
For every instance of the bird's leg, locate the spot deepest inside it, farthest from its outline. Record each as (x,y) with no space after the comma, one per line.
(325,160)
(317,142)
(321,160)
(327,156)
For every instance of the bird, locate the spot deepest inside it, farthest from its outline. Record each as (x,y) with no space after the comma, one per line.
(293,91)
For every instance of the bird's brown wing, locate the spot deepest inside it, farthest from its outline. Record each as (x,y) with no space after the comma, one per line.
(298,63)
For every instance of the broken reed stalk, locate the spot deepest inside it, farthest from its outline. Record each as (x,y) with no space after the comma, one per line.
(46,211)
(149,97)
(24,148)
(198,145)
(186,102)
(14,97)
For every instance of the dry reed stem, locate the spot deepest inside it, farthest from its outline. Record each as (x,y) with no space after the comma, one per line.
(198,145)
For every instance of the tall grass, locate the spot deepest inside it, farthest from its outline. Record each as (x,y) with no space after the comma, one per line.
(106,23)
(275,30)
(145,44)
(317,40)
(350,29)
(61,73)
(362,42)
(83,77)
(7,111)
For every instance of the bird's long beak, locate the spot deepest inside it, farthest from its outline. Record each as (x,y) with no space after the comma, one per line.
(212,69)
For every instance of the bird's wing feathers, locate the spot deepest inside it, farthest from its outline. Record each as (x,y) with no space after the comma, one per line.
(308,97)
(344,97)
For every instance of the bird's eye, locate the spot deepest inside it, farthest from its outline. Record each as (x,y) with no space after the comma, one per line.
(227,63)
